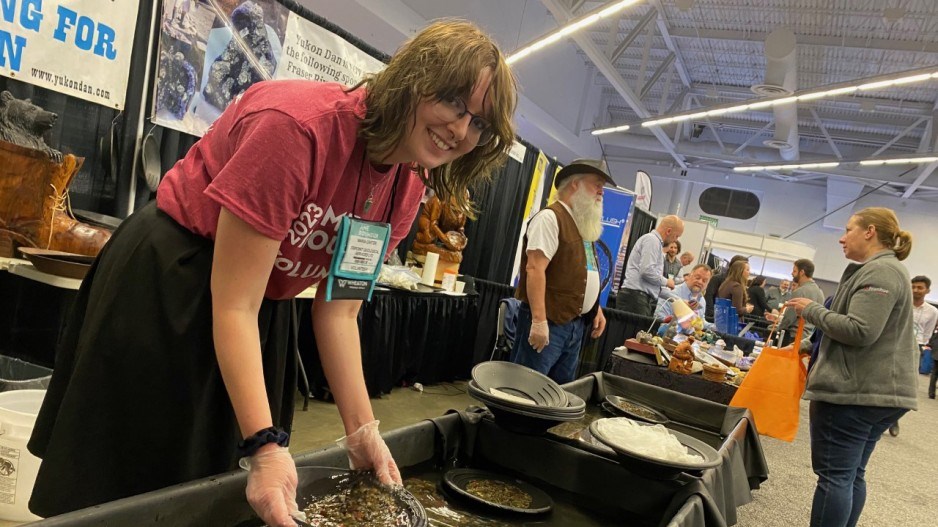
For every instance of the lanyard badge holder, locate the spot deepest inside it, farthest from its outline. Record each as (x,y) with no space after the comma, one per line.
(360,249)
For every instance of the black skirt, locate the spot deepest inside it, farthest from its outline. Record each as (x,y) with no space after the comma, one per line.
(136,401)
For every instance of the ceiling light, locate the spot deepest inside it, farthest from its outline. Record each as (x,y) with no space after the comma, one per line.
(568,29)
(793,166)
(611,130)
(898,161)
(871,83)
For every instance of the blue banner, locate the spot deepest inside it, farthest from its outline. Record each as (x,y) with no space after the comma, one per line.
(617,210)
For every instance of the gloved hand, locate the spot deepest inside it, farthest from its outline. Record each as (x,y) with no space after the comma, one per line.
(271,488)
(540,336)
(366,449)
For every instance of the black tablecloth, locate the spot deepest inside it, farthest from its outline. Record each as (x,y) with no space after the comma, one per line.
(405,338)
(656,375)
(32,315)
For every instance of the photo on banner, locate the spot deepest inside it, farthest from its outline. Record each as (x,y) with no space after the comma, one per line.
(81,48)
(212,51)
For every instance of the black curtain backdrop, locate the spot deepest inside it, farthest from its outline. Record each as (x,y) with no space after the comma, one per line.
(493,236)
(642,223)
(490,294)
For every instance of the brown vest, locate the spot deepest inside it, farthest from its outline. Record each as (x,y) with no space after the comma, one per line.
(566,272)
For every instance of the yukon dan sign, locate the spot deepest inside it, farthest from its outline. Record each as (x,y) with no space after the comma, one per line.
(76,47)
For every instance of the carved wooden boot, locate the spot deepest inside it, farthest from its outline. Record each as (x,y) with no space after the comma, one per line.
(33,203)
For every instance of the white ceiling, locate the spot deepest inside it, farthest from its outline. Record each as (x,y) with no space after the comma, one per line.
(707,55)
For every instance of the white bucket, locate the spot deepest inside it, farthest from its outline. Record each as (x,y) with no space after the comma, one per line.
(18,468)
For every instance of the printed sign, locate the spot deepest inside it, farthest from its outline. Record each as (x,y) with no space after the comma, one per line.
(211,51)
(710,219)
(80,48)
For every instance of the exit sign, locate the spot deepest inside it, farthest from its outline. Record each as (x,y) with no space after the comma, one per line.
(710,219)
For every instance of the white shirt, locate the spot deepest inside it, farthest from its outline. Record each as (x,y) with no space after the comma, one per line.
(543,235)
(925,317)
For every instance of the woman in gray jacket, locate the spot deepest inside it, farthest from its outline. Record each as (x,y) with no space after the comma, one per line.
(864,378)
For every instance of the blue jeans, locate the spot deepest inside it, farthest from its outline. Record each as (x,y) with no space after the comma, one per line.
(842,441)
(559,359)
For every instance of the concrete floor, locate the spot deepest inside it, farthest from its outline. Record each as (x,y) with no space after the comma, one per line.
(320,426)
(901,475)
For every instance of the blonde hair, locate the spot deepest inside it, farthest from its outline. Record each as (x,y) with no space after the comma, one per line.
(443,59)
(888,232)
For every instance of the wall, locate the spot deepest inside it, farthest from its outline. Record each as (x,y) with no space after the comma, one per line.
(787,207)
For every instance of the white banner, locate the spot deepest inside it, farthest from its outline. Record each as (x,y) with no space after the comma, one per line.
(204,65)
(80,48)
(311,52)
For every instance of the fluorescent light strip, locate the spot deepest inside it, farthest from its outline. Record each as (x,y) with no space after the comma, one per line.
(611,130)
(901,161)
(759,168)
(809,96)
(568,29)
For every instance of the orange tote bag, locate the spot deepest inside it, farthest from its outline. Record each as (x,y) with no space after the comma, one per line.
(773,387)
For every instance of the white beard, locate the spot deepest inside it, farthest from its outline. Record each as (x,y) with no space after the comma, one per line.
(588,214)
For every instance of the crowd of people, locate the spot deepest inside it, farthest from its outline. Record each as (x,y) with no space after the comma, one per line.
(866,341)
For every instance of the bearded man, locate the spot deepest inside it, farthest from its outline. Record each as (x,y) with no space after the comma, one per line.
(559,284)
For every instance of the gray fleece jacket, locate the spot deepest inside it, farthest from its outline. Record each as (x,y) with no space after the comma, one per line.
(868,353)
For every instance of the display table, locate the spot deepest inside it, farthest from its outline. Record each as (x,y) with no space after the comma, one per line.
(574,476)
(696,385)
(622,325)
(405,338)
(412,337)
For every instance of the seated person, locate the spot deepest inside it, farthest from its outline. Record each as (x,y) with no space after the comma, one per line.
(692,292)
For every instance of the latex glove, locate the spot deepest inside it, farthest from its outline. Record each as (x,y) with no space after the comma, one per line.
(539,337)
(271,488)
(366,449)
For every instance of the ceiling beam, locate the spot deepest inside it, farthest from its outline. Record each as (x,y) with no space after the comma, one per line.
(605,66)
(633,34)
(809,40)
(649,36)
(753,137)
(654,76)
(929,139)
(669,42)
(895,139)
(820,125)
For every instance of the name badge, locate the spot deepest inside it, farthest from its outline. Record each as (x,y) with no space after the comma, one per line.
(356,264)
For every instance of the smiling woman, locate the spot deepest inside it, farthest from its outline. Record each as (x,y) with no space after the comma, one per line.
(159,383)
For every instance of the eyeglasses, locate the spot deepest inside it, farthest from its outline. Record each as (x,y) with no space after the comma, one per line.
(452,108)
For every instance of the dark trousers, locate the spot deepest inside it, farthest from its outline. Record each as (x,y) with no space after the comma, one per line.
(560,358)
(842,440)
(635,301)
(933,379)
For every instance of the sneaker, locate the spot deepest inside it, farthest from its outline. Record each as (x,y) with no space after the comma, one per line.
(894,430)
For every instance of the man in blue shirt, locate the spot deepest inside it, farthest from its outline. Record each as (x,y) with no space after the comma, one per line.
(643,273)
(691,292)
